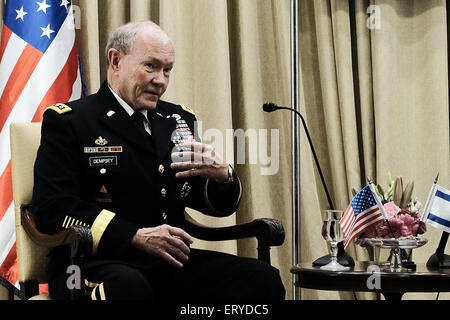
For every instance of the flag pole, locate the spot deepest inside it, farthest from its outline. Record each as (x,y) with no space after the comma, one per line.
(425,210)
(427,204)
(380,205)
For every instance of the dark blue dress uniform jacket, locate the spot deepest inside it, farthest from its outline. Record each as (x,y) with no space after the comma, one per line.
(95,168)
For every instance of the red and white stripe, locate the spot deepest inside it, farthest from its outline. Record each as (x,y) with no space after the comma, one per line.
(30,81)
(353,227)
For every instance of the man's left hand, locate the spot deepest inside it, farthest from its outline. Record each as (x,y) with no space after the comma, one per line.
(199,160)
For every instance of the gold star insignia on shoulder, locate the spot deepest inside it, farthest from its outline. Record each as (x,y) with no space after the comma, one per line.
(60,108)
(101,142)
(187,109)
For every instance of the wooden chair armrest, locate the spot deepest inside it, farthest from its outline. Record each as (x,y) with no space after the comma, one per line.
(269,232)
(78,238)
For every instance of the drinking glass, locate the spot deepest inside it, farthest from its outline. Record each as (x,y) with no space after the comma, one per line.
(333,235)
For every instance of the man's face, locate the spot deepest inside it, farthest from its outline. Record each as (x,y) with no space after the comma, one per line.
(143,74)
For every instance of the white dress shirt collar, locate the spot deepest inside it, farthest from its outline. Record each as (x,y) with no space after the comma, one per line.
(130,110)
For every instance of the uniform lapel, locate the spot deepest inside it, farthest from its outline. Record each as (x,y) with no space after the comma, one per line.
(118,120)
(162,129)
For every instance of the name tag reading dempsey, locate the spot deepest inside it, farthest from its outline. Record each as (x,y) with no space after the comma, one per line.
(103,161)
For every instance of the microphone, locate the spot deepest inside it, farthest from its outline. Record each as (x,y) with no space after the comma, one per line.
(270,107)
(343,258)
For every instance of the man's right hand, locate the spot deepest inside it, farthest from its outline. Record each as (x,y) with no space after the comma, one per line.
(169,243)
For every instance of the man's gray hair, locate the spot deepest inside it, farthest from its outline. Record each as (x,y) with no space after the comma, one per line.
(124,37)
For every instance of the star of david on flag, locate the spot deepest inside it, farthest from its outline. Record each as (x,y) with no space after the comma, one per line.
(364,210)
(39,66)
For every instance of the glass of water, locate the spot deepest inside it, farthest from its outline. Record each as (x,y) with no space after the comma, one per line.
(333,234)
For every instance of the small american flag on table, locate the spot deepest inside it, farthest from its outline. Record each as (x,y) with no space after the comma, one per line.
(364,210)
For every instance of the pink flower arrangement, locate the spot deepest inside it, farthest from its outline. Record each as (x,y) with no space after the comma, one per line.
(403,223)
(402,212)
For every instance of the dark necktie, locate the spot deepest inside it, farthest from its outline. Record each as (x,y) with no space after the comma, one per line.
(139,119)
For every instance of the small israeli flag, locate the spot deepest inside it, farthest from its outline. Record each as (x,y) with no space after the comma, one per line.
(437,208)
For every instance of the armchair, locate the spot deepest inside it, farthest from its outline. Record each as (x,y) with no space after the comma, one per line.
(33,246)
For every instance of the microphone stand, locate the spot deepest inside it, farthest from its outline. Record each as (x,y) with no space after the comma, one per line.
(343,258)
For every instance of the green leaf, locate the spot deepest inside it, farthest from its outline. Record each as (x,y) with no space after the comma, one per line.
(389,179)
(380,191)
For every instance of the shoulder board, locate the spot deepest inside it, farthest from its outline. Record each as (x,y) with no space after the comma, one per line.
(60,108)
(187,109)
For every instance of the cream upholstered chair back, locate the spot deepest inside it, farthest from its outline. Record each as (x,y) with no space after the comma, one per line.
(25,140)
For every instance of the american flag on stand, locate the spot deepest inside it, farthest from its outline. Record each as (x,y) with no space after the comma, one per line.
(364,210)
(39,66)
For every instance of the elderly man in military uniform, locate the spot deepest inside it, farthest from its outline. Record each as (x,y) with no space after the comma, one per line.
(126,164)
